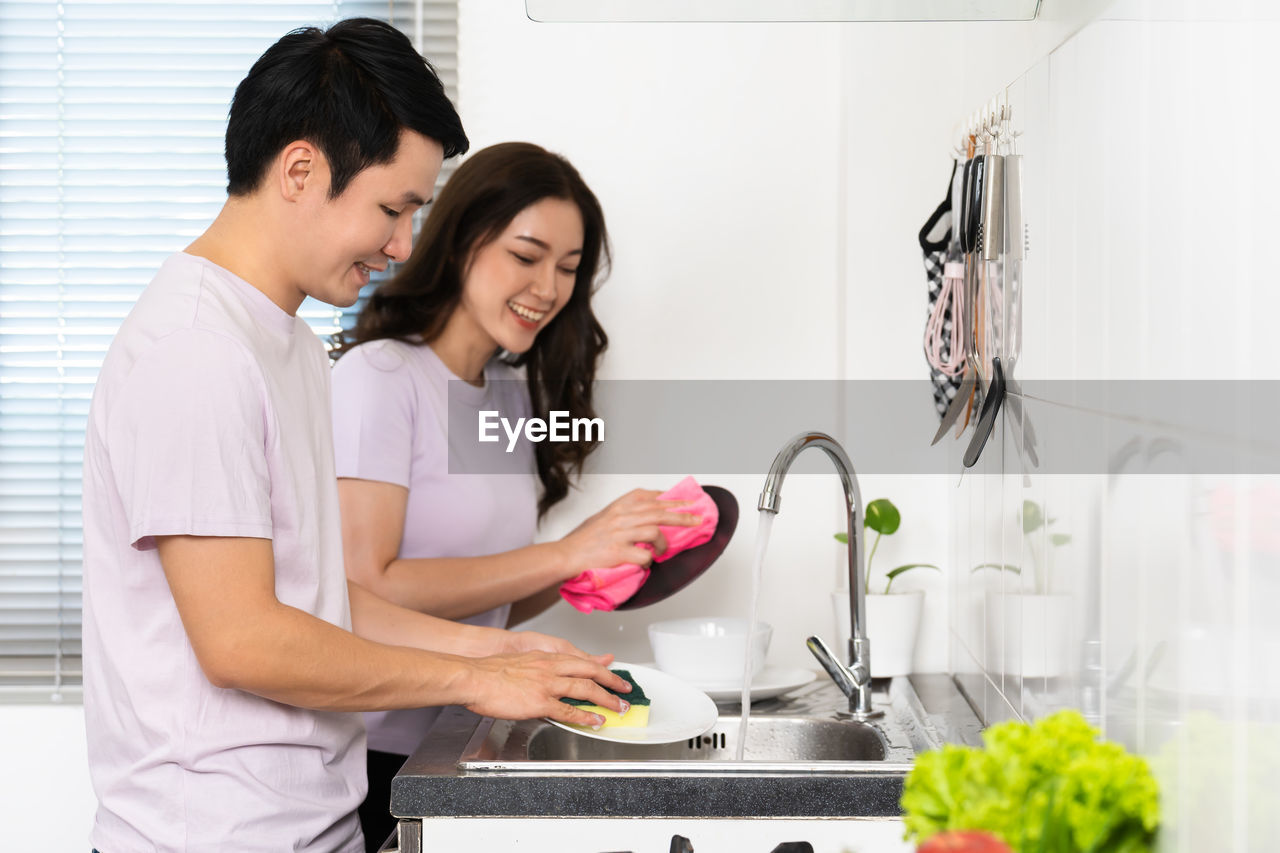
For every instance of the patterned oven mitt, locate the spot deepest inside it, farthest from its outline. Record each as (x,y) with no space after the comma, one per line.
(935,240)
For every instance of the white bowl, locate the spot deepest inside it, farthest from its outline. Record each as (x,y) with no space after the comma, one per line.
(708,650)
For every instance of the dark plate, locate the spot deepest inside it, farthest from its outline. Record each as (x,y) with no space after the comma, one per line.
(670,576)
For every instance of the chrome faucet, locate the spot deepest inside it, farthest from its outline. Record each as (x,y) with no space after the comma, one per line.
(855,680)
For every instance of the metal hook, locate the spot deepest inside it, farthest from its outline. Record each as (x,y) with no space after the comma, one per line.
(1006,115)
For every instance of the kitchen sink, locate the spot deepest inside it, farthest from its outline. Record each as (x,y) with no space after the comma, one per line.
(804,758)
(807,732)
(777,739)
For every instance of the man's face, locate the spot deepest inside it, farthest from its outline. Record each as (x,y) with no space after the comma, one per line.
(368,225)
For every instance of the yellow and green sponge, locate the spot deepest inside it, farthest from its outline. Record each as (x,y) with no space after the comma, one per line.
(636,717)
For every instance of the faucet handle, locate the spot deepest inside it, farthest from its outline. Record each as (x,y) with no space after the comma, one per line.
(839,673)
(855,683)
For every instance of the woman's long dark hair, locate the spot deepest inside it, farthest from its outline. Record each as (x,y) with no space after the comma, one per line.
(475,206)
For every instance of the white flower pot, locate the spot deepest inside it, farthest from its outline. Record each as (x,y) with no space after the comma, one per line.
(1027,634)
(893,624)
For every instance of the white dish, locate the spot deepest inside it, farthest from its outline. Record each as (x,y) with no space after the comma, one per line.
(771,682)
(708,649)
(677,711)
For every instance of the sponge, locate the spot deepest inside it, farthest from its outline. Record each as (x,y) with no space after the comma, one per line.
(636,717)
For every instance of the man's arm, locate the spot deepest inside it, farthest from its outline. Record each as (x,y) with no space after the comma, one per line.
(245,638)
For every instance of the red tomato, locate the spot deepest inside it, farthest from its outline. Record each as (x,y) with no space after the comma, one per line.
(964,841)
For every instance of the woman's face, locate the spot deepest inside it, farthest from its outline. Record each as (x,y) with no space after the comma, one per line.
(519,281)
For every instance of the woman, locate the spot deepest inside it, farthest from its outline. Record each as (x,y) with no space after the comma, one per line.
(500,280)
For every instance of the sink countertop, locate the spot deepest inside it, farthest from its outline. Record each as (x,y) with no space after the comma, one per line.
(922,712)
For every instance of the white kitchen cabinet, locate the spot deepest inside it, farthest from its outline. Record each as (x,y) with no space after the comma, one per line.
(613,835)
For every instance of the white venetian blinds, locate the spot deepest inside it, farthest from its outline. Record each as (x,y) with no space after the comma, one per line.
(111,128)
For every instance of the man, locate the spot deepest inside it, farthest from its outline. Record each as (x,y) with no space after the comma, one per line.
(221,667)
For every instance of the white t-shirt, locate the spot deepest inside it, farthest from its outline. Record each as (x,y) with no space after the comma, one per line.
(393,403)
(210,417)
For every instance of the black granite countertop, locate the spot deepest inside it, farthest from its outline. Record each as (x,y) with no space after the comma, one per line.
(432,784)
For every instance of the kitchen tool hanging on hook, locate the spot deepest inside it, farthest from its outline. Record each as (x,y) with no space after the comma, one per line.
(944,271)
(989,278)
(988,288)
(968,220)
(1014,258)
(990,410)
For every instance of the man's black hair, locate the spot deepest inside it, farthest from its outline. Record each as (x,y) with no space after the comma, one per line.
(349,90)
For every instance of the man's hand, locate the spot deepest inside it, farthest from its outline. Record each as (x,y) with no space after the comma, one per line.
(529,685)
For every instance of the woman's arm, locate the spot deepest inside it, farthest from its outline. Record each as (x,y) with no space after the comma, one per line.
(373,519)
(527,608)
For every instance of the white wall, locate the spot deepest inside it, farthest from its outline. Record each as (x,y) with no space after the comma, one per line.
(1148,263)
(46,802)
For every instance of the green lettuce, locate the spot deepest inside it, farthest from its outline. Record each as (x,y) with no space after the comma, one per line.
(1050,787)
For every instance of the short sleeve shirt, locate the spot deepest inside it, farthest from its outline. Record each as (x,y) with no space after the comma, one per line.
(210,417)
(391,415)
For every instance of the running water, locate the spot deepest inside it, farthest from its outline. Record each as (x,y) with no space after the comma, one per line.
(763,526)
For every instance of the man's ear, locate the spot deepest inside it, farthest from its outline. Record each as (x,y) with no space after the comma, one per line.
(299,168)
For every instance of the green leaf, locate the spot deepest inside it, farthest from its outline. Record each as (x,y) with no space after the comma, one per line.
(842,537)
(882,516)
(1059,538)
(893,573)
(1032,517)
(1008,567)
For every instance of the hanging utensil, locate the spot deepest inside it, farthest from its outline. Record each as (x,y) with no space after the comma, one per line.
(943,340)
(1014,255)
(967,242)
(988,305)
(987,420)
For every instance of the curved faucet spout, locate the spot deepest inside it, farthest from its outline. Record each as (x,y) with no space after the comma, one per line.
(858,686)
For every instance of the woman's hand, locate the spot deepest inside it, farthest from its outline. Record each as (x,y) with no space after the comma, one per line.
(611,537)
(519,642)
(529,685)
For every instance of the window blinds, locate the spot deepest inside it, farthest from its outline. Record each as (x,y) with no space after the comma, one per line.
(111,127)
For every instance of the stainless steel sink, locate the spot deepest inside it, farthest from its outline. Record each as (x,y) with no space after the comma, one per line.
(782,739)
(805,758)
(805,733)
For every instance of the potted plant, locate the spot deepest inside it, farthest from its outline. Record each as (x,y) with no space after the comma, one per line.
(893,620)
(1029,627)
(1049,787)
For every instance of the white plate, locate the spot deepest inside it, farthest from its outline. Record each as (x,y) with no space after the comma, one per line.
(772,681)
(677,711)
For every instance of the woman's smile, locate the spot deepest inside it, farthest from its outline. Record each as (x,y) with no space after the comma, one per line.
(525,316)
(364,270)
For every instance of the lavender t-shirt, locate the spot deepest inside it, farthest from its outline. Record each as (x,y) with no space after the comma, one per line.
(390,423)
(210,417)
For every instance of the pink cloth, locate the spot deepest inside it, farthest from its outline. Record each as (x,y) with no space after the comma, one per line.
(605,589)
